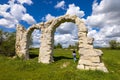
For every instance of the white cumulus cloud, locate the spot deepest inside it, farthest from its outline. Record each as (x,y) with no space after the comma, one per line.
(28,18)
(4,7)
(25,1)
(65,40)
(13,12)
(36,38)
(60,5)
(48,17)
(104,22)
(75,10)
(17,11)
(66,34)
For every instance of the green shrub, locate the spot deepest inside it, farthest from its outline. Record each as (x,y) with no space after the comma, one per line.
(7,43)
(58,46)
(114,44)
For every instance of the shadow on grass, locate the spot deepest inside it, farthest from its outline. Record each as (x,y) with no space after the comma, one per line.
(61,57)
(32,55)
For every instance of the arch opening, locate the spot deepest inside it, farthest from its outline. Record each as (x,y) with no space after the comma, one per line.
(66,36)
(34,43)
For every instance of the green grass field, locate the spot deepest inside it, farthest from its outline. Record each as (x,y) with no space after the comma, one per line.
(62,69)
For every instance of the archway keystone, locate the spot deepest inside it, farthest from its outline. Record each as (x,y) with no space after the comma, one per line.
(89,57)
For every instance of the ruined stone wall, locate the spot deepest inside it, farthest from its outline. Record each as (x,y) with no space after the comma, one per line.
(90,58)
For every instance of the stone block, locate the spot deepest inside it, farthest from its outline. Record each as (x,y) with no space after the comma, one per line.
(87,67)
(80,66)
(94,59)
(85,62)
(104,69)
(90,40)
(92,68)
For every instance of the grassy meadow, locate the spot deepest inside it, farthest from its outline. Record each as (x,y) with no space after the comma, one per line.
(62,69)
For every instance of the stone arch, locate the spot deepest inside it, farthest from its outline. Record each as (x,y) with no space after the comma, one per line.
(89,57)
(47,46)
(22,40)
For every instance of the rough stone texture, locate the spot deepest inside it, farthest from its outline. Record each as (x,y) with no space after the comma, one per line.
(90,58)
(22,40)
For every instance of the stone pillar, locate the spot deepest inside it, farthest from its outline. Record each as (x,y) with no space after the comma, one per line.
(21,43)
(46,50)
(89,57)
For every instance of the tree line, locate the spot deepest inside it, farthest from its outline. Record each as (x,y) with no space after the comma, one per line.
(114,44)
(59,46)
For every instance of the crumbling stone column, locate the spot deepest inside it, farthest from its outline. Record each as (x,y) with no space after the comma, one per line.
(46,50)
(90,59)
(21,43)
(23,40)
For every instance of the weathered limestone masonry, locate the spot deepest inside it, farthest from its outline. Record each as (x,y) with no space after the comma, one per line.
(90,58)
(46,48)
(22,40)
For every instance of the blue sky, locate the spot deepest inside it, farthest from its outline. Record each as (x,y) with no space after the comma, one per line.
(40,8)
(101,19)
